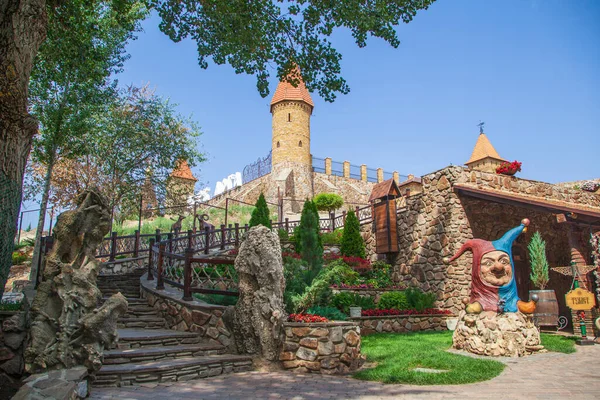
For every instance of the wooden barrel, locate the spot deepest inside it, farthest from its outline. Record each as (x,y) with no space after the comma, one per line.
(546,309)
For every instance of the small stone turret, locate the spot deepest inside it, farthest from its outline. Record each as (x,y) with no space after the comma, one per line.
(484,157)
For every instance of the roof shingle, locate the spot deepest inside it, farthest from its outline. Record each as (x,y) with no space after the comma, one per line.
(483,149)
(182,170)
(285,91)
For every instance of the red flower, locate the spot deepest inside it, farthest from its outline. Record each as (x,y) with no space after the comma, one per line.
(306,318)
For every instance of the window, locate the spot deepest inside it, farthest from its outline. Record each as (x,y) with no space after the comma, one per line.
(289,117)
(277,144)
(300,143)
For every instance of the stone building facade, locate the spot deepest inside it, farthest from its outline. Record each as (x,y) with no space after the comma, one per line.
(457,204)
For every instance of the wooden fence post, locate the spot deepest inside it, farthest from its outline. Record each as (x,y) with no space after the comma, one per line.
(187,275)
(332,220)
(206,239)
(287,225)
(150,266)
(113,246)
(158,236)
(190,239)
(136,244)
(237,235)
(222,236)
(160,285)
(170,240)
(343,218)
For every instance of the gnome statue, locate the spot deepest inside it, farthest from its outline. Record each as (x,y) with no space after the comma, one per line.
(493,285)
(495,322)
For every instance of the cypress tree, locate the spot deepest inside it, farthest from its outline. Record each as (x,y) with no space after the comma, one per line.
(352,243)
(308,241)
(260,215)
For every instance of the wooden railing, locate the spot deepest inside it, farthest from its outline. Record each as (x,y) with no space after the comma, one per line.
(188,261)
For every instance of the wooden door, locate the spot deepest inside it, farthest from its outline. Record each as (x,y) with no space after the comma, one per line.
(386,234)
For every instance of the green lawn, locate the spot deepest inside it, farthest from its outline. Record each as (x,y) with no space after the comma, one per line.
(558,343)
(396,355)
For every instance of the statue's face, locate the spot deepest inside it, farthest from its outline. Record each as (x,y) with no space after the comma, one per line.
(495,268)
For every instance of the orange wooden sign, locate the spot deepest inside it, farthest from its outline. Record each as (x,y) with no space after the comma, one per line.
(580,299)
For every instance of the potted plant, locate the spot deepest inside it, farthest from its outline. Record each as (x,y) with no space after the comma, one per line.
(546,311)
(509,168)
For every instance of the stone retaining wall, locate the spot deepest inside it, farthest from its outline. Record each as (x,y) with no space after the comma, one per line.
(205,320)
(327,348)
(123,266)
(13,339)
(402,323)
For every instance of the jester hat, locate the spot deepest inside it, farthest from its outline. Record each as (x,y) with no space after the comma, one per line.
(488,295)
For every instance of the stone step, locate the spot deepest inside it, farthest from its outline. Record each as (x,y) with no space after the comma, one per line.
(136,338)
(132,301)
(108,293)
(144,354)
(146,322)
(180,369)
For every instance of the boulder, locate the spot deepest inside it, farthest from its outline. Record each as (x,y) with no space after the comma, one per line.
(493,334)
(259,312)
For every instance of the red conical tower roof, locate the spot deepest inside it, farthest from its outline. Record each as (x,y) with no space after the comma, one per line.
(182,170)
(286,91)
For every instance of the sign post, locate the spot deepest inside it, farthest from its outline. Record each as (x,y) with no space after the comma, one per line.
(581,300)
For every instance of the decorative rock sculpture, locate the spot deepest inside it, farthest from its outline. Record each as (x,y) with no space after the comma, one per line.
(67,328)
(259,311)
(495,322)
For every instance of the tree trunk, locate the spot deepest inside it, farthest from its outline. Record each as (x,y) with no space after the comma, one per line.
(33,275)
(23,25)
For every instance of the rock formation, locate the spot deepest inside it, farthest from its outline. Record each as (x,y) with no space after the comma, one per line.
(259,311)
(67,328)
(493,334)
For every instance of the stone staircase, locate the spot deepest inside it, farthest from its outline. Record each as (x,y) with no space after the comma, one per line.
(148,352)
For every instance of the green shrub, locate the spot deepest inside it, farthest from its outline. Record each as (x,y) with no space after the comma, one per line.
(308,241)
(297,278)
(334,237)
(10,306)
(319,291)
(18,258)
(328,201)
(217,299)
(379,275)
(345,274)
(395,300)
(283,235)
(352,244)
(261,214)
(344,300)
(330,313)
(418,300)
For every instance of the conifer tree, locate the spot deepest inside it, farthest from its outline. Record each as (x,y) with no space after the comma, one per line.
(539,263)
(308,241)
(352,243)
(260,215)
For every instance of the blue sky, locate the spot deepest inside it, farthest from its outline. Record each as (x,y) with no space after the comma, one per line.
(528,68)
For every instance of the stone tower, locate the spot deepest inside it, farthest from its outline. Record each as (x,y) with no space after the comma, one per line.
(484,157)
(291,171)
(291,108)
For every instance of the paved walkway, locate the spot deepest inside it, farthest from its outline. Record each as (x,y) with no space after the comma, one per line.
(543,376)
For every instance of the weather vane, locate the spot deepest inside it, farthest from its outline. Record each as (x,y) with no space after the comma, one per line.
(480,125)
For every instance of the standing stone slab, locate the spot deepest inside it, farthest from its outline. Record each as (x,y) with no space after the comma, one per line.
(260,309)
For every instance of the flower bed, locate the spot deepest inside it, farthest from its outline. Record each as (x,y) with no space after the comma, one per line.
(327,348)
(307,318)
